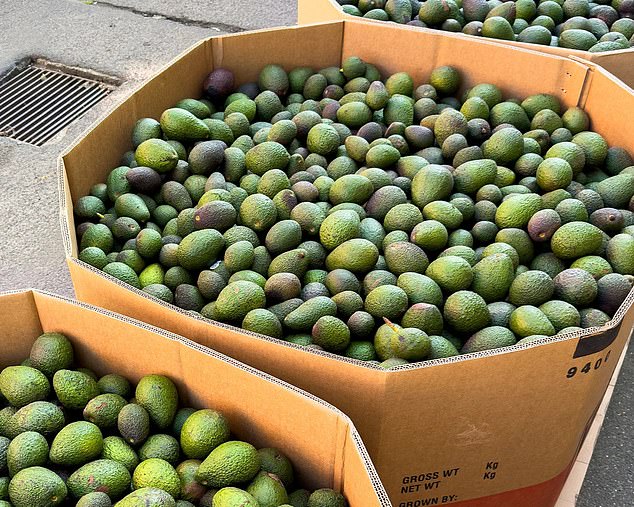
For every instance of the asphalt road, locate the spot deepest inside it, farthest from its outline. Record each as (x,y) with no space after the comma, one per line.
(130,40)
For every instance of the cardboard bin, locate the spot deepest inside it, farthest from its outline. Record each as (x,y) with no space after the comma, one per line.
(322,443)
(501,426)
(620,63)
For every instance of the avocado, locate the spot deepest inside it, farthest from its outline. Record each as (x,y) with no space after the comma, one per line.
(103,475)
(339,227)
(144,129)
(275,462)
(356,255)
(620,253)
(517,210)
(77,443)
(493,277)
(466,312)
(451,273)
(560,314)
(275,79)
(450,122)
(331,334)
(497,27)
(28,449)
(200,249)
(305,316)
(181,125)
(37,487)
(160,446)
(576,286)
(504,146)
(612,289)
(103,410)
(393,341)
(593,264)
(231,496)
(133,423)
(591,317)
(191,490)
(341,280)
(531,288)
(22,385)
(157,473)
(266,156)
(425,317)
(99,236)
(325,497)
(157,394)
(489,338)
(117,449)
(529,320)
(543,224)
(203,431)
(389,301)
(554,173)
(40,416)
(471,176)
(94,499)
(74,389)
(576,239)
(156,154)
(147,497)
(245,461)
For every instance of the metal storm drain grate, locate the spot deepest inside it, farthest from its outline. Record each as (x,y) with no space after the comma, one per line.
(38,102)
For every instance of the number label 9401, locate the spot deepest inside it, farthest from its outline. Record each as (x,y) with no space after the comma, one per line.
(588,367)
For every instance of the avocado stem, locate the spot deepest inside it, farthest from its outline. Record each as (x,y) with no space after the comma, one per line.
(390,324)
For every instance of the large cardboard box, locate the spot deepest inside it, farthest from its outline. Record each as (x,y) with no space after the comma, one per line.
(321,442)
(620,63)
(496,428)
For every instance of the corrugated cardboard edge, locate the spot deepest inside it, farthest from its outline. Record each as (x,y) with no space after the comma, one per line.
(620,61)
(572,488)
(347,433)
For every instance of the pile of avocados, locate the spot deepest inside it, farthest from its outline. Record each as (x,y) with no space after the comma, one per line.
(70,438)
(369,217)
(598,26)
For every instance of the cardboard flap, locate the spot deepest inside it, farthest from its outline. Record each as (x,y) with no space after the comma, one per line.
(619,63)
(311,11)
(20,325)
